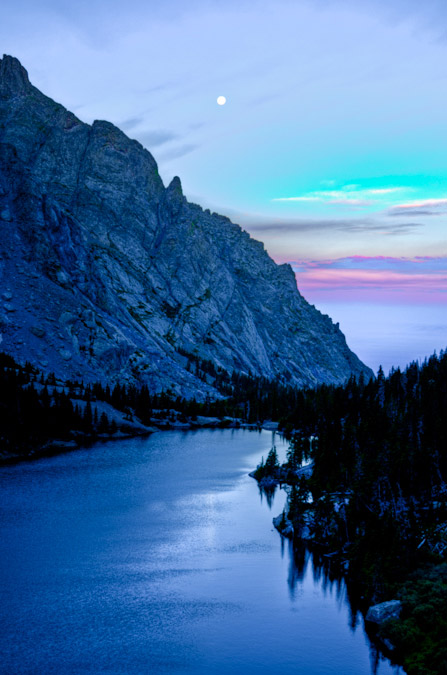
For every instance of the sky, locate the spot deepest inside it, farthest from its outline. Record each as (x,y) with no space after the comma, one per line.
(331,147)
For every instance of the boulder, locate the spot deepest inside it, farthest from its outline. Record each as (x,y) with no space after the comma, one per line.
(384,611)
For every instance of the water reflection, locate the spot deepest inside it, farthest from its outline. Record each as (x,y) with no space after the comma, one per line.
(298,561)
(267,492)
(328,577)
(161,545)
(305,563)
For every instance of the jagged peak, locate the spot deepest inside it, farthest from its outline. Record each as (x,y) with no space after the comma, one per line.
(171,275)
(175,187)
(13,77)
(174,195)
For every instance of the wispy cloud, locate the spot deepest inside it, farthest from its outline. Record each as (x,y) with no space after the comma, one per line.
(305,198)
(177,151)
(348,225)
(402,264)
(155,137)
(426,207)
(130,123)
(348,195)
(357,279)
(351,202)
(386,191)
(353,276)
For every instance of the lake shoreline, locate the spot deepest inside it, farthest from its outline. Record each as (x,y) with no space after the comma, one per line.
(163,544)
(78,441)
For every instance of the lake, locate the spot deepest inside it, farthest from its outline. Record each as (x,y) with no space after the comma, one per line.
(158,555)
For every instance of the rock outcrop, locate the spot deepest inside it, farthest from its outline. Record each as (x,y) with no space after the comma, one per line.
(384,611)
(105,274)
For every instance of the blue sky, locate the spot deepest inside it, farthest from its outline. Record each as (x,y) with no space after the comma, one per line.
(331,147)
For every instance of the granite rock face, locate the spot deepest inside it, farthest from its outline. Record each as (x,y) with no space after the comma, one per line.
(105,274)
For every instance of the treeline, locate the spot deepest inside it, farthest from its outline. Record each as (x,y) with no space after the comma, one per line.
(379,495)
(35,408)
(250,398)
(253,398)
(384,441)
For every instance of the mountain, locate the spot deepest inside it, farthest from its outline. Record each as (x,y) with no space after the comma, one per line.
(105,274)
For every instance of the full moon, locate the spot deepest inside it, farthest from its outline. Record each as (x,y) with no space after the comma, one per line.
(221,100)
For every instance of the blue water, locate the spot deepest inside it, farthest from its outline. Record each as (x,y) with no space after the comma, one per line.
(158,555)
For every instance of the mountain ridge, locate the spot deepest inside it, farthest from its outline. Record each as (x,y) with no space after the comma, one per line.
(107,274)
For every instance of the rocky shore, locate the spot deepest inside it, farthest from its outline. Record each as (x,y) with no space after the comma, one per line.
(126,425)
(302,528)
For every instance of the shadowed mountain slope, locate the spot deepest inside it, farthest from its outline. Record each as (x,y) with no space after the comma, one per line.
(106,274)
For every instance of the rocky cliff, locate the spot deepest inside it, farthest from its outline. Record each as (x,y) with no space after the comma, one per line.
(105,274)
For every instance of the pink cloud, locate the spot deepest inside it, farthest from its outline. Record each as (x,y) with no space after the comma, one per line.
(376,277)
(336,278)
(423,203)
(415,265)
(428,207)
